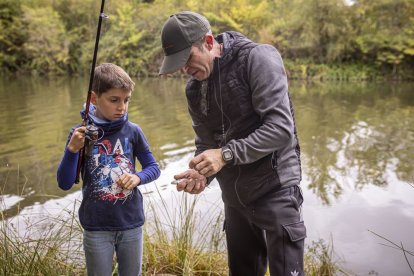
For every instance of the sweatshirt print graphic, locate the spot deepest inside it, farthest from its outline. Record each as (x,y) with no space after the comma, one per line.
(107,164)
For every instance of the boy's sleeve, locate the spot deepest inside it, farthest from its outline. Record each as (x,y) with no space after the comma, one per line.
(66,173)
(150,169)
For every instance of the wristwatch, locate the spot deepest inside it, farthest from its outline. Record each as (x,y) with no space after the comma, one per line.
(226,154)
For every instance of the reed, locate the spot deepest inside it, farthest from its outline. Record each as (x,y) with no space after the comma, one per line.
(178,240)
(49,246)
(320,259)
(181,241)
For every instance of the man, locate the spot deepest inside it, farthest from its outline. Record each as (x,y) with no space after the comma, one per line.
(245,137)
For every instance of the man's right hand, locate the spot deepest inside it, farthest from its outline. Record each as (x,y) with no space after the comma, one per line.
(191,182)
(77,141)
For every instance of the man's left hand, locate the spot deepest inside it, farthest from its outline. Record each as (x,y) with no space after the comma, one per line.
(191,181)
(208,162)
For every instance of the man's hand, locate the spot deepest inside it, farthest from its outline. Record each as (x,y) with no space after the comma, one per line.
(208,162)
(128,181)
(191,181)
(77,141)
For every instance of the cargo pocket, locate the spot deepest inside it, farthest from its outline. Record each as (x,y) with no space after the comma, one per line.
(294,242)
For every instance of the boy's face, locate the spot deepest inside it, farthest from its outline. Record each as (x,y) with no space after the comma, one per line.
(112,104)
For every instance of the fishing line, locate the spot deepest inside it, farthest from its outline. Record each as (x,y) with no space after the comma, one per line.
(106,27)
(103,32)
(85,119)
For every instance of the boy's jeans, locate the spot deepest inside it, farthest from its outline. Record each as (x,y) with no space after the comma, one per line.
(99,249)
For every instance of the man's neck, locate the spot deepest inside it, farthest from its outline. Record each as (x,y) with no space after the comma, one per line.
(217,50)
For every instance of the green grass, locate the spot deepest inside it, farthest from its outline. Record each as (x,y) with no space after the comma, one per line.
(320,260)
(49,247)
(178,240)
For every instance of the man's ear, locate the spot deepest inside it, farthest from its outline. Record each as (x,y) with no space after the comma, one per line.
(93,98)
(209,41)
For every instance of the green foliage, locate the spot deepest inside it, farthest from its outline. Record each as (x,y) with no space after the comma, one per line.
(350,71)
(385,32)
(46,47)
(78,20)
(318,29)
(12,35)
(243,16)
(132,38)
(57,36)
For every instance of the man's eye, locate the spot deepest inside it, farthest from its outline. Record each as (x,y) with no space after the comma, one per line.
(113,100)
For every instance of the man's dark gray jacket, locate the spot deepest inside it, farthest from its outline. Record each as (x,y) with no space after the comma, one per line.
(247,93)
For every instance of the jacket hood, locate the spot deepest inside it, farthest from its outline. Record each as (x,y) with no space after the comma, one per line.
(229,39)
(107,126)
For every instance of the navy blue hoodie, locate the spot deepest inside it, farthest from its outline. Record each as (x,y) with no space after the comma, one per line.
(106,206)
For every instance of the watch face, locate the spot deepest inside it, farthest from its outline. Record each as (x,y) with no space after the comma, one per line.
(227,155)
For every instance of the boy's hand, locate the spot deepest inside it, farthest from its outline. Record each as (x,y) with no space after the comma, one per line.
(128,181)
(77,141)
(191,181)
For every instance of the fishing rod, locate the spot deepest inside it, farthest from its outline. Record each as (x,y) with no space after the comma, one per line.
(88,98)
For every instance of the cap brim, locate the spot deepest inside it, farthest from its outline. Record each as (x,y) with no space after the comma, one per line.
(174,62)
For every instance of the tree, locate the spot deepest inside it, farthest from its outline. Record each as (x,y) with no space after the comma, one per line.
(79,18)
(13,35)
(46,46)
(385,32)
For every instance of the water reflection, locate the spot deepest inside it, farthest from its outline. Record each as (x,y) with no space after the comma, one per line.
(360,130)
(357,143)
(357,130)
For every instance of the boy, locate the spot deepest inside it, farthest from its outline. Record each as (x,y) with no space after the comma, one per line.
(111,211)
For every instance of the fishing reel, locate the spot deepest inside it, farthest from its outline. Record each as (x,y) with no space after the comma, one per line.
(91,136)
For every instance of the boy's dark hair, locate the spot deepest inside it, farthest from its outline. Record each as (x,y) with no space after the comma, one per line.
(108,76)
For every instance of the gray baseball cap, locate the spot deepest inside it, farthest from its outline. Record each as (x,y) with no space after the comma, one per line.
(178,34)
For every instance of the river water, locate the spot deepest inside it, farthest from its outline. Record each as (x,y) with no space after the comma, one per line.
(357,142)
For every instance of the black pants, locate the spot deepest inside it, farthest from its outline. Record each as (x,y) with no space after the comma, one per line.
(270,231)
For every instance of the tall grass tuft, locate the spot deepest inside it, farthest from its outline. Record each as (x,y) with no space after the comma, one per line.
(50,246)
(179,241)
(320,260)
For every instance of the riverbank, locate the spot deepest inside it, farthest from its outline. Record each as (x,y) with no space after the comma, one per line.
(302,70)
(177,242)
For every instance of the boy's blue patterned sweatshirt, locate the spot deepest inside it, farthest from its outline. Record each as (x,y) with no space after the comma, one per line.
(105,206)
